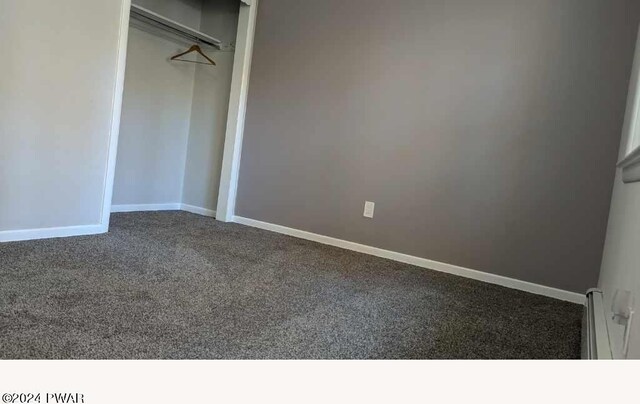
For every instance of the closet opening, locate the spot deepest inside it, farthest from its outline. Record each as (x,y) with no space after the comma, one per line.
(183,100)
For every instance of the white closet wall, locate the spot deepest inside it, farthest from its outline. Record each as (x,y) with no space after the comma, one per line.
(57,86)
(210,108)
(174,114)
(154,129)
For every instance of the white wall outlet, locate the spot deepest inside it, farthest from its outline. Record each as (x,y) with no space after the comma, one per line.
(368,209)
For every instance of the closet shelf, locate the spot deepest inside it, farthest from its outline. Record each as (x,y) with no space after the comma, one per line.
(147,16)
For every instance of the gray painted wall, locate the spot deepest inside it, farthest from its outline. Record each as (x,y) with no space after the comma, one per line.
(485,131)
(56,95)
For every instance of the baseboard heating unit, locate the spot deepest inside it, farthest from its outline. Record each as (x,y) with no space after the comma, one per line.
(595,333)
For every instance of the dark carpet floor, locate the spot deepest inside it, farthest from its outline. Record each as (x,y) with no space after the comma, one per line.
(177,285)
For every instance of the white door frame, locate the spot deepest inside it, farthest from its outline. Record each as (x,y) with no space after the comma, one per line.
(235,116)
(227,192)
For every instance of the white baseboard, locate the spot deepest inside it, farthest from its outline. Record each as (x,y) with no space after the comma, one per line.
(145,207)
(163,207)
(197,210)
(52,232)
(55,232)
(419,262)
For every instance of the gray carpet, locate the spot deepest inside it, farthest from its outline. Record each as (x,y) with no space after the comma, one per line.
(177,285)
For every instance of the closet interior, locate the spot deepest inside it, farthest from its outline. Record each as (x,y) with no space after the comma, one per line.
(175,104)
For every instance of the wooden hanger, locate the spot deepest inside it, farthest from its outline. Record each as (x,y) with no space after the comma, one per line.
(194,48)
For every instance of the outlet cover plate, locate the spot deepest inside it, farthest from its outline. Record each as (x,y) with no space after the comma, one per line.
(369,207)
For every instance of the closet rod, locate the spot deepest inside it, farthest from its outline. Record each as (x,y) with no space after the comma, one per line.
(144,15)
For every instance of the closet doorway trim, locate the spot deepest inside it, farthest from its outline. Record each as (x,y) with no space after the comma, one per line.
(227,192)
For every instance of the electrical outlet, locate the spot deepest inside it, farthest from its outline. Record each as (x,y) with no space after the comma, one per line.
(368,209)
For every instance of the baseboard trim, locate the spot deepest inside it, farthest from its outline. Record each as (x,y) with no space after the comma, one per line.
(419,262)
(197,210)
(51,232)
(153,207)
(70,231)
(163,207)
